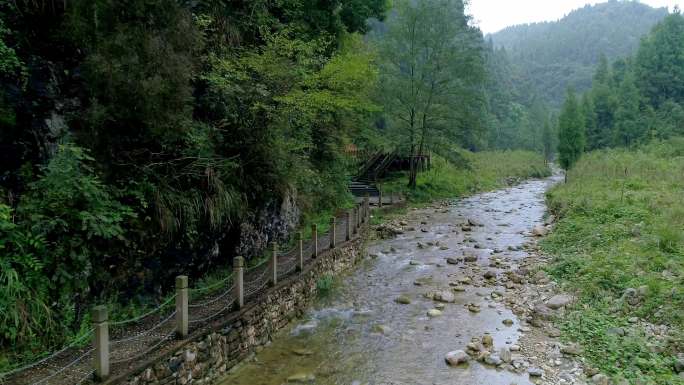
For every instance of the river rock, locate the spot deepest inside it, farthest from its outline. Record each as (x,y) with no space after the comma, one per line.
(507,322)
(301,378)
(465,280)
(456,358)
(470,258)
(474,223)
(466,228)
(600,379)
(434,313)
(493,359)
(506,355)
(403,299)
(539,231)
(535,372)
(444,296)
(487,341)
(490,274)
(452,261)
(473,308)
(559,301)
(571,350)
(542,312)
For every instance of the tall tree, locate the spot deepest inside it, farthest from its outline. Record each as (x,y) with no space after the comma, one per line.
(660,62)
(431,74)
(628,129)
(570,132)
(604,104)
(547,140)
(589,119)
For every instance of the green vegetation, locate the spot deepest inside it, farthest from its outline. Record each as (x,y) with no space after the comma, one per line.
(324,285)
(636,99)
(474,172)
(550,57)
(570,133)
(620,226)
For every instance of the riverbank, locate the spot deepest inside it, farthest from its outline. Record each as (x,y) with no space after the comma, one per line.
(618,247)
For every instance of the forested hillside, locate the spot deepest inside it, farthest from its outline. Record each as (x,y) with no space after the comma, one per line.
(552,56)
(631,102)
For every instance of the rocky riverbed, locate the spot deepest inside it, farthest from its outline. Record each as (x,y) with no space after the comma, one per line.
(450,294)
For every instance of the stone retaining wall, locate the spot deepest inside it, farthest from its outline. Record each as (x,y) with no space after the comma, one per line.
(205,357)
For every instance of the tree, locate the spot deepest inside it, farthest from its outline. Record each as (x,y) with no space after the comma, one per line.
(628,129)
(547,140)
(570,132)
(589,119)
(660,62)
(430,71)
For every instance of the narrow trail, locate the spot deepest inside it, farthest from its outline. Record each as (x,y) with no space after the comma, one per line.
(360,334)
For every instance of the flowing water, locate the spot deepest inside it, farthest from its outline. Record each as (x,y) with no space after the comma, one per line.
(360,335)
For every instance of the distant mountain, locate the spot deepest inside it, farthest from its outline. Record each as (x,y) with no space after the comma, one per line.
(551,56)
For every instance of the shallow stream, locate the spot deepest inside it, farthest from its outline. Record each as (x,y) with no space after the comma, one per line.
(360,335)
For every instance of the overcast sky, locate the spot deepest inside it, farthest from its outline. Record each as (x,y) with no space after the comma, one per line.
(493,15)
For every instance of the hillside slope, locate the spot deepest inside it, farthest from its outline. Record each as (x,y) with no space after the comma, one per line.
(554,55)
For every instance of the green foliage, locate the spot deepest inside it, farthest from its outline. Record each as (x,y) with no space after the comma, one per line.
(638,99)
(24,307)
(552,56)
(9,62)
(660,62)
(486,170)
(620,227)
(570,133)
(324,285)
(184,121)
(431,73)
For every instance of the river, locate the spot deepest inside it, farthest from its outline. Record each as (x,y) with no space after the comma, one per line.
(359,334)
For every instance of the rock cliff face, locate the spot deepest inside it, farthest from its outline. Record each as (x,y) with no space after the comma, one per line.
(274,222)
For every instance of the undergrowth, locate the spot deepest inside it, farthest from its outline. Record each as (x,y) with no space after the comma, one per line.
(621,226)
(475,172)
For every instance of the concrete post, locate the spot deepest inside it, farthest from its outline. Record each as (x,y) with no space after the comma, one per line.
(333,232)
(391,199)
(100,322)
(300,239)
(314,239)
(366,213)
(182,306)
(356,219)
(379,198)
(239,275)
(350,217)
(274,264)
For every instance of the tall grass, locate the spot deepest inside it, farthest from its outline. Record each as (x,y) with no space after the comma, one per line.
(476,172)
(622,226)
